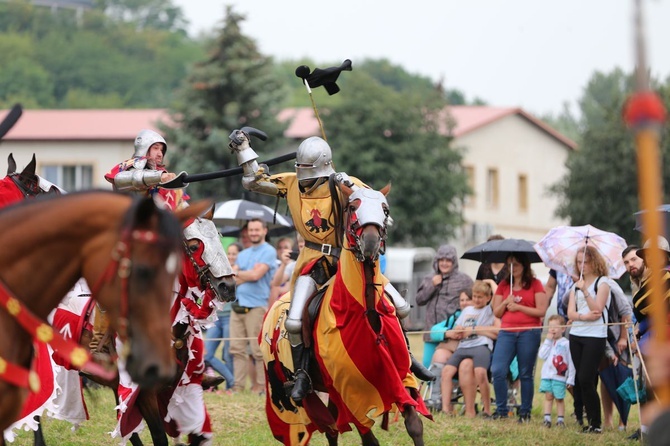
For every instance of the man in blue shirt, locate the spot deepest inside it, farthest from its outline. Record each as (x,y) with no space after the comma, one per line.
(254,270)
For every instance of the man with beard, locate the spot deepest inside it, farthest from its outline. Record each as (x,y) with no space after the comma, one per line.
(254,269)
(145,172)
(634,266)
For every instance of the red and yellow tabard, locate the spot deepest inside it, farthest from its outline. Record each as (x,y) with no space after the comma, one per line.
(312,215)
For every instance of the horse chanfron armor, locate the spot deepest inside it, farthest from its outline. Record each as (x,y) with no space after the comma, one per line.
(205,231)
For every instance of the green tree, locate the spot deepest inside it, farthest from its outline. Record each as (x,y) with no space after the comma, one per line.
(601,184)
(23,79)
(234,87)
(378,134)
(54,56)
(565,122)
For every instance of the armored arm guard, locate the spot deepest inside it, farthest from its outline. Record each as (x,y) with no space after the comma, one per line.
(137,179)
(254,178)
(343,178)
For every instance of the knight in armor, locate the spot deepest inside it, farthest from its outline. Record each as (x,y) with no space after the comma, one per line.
(142,174)
(146,171)
(311,202)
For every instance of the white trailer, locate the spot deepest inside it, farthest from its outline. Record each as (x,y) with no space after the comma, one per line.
(405,268)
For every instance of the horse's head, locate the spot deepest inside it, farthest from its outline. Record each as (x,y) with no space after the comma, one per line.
(29,183)
(367,217)
(207,261)
(146,260)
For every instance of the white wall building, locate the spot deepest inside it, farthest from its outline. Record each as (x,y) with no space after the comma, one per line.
(511,159)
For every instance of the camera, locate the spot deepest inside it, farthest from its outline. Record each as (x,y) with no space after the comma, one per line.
(294,255)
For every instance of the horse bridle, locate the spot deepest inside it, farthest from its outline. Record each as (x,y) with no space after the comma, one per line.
(30,187)
(354,225)
(120,266)
(201,271)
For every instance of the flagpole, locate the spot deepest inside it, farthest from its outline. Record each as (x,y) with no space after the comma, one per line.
(316,111)
(644,113)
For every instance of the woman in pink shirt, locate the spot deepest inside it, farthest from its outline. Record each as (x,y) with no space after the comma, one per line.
(520,302)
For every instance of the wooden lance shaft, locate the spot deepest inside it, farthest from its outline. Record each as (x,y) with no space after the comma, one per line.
(650,187)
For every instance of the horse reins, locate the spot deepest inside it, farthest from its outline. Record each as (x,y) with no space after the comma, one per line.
(200,271)
(120,266)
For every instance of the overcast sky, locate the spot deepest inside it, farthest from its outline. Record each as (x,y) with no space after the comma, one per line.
(536,54)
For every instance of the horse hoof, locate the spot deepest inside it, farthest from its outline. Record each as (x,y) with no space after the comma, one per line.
(211,381)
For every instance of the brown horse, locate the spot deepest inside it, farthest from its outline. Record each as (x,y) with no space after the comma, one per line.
(204,266)
(360,356)
(127,248)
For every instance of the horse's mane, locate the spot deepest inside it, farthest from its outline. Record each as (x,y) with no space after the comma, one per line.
(20,211)
(165,227)
(337,207)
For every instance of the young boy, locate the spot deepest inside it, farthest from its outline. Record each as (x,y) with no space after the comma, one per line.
(476,328)
(557,370)
(444,349)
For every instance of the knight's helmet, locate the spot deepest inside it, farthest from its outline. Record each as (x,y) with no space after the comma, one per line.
(145,139)
(313,159)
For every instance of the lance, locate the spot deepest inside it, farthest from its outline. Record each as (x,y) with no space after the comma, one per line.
(645,114)
(10,119)
(183,178)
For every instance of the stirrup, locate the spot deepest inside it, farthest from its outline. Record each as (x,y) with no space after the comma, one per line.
(302,385)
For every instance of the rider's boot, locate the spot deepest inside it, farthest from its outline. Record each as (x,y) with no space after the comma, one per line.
(304,287)
(420,371)
(302,384)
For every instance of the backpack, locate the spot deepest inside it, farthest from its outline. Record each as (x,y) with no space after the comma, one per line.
(613,316)
(612,311)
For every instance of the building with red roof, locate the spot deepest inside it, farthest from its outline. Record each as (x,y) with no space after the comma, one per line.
(511,158)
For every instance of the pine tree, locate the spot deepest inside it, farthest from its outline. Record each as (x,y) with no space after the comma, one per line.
(234,87)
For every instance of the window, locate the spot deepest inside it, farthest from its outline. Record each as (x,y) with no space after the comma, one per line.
(523,193)
(492,191)
(69,177)
(470,199)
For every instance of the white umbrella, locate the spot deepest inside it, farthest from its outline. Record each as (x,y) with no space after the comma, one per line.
(237,212)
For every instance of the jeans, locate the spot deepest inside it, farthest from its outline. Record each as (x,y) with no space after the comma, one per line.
(221,329)
(524,345)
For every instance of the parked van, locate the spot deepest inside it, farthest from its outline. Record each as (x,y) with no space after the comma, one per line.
(405,268)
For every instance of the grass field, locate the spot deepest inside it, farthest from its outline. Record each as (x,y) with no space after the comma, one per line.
(239,420)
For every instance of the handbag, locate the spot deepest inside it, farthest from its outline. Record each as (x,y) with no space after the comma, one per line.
(239,309)
(627,391)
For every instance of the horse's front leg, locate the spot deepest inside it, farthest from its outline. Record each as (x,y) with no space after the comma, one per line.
(147,402)
(413,424)
(332,438)
(38,435)
(368,438)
